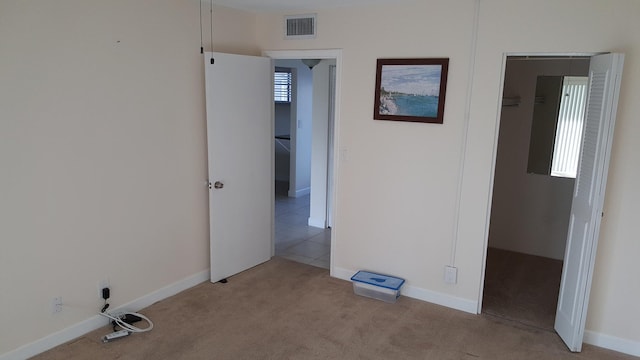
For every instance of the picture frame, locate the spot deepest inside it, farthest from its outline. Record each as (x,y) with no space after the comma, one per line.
(411,89)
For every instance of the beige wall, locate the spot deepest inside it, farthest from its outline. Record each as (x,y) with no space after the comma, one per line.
(566,26)
(102,154)
(529,212)
(102,147)
(395,190)
(397,185)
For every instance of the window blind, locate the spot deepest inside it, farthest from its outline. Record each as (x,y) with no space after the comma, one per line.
(282,86)
(566,150)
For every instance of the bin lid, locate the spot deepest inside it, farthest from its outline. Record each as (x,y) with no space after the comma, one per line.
(385,281)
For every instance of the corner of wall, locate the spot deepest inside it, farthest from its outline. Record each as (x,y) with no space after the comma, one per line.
(97,321)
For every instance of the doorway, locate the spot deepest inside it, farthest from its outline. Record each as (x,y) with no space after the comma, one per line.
(530,208)
(603,89)
(304,167)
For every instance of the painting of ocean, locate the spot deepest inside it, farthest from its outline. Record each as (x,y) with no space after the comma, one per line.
(410,89)
(409,105)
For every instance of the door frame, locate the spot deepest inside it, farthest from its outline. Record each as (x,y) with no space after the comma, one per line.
(331,155)
(332,183)
(494,158)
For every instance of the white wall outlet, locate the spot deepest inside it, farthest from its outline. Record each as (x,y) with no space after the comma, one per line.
(56,305)
(450,274)
(104,283)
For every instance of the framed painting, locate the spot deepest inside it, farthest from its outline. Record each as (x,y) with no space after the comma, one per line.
(411,90)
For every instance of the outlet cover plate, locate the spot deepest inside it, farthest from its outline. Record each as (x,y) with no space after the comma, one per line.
(450,274)
(56,305)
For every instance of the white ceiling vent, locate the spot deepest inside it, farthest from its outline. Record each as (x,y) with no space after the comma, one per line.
(300,26)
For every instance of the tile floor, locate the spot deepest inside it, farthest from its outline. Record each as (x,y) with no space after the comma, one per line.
(294,239)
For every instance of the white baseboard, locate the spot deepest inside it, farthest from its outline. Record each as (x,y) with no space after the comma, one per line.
(315,222)
(341,273)
(447,300)
(612,343)
(298,193)
(421,294)
(97,321)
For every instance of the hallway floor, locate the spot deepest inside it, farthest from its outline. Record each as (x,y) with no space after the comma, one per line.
(294,239)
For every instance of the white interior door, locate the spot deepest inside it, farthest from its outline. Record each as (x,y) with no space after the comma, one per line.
(586,211)
(240,145)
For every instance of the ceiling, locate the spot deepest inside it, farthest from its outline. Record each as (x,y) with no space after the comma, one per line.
(295,5)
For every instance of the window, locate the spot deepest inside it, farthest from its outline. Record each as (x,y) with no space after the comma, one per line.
(556,129)
(566,149)
(282,85)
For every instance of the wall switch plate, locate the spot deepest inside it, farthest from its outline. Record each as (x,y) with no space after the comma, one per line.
(450,274)
(56,305)
(344,154)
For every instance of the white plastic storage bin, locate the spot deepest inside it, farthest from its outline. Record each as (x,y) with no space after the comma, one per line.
(377,286)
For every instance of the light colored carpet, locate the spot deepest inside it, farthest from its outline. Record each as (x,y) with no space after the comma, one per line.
(286,310)
(522,287)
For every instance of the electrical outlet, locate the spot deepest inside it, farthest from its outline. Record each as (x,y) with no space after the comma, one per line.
(118,314)
(450,274)
(56,305)
(104,283)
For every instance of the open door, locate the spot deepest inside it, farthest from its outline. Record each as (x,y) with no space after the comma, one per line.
(586,211)
(240,138)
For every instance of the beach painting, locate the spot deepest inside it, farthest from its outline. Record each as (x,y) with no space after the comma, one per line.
(411,90)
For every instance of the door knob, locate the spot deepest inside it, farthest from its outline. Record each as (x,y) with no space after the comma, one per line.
(218,185)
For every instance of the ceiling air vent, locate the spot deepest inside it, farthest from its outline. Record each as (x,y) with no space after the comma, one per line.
(300,26)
